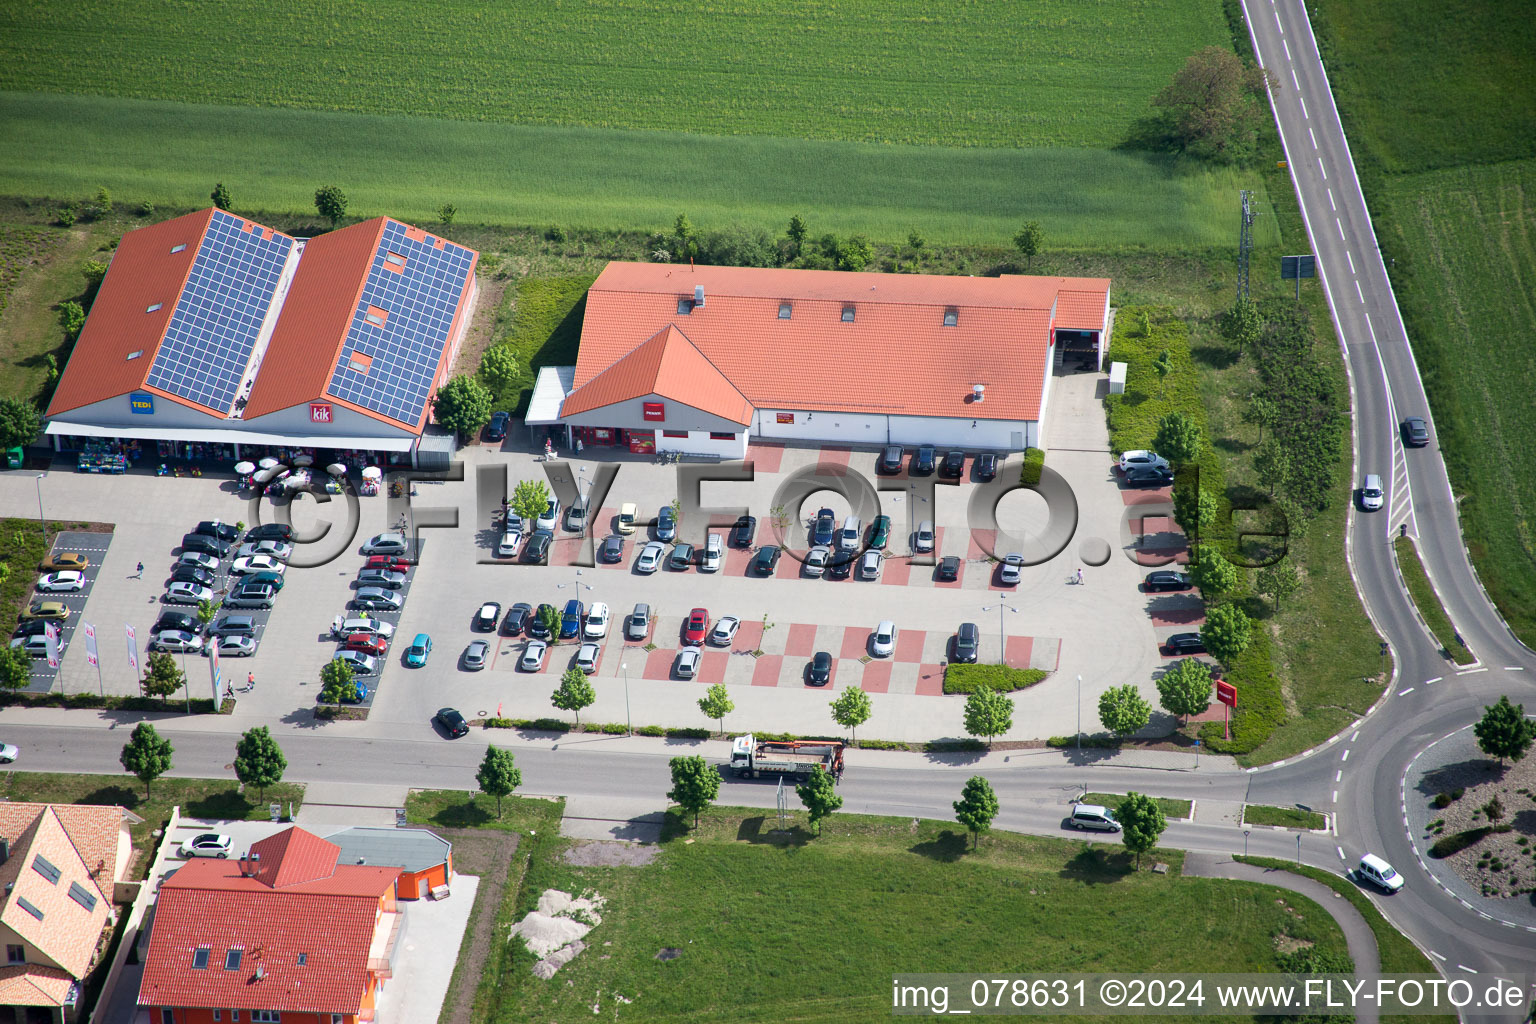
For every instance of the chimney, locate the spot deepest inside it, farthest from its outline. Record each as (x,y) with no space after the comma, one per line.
(5,850)
(698,296)
(261,971)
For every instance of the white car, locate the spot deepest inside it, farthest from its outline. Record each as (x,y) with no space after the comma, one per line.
(368,625)
(550,517)
(511,543)
(687,664)
(1377,871)
(882,642)
(816,560)
(8,753)
(724,631)
(175,640)
(277,549)
(714,550)
(533,656)
(187,593)
(597,621)
(586,657)
(209,844)
(257,563)
(237,646)
(386,544)
(1141,457)
(199,559)
(1012,570)
(61,582)
(922,540)
(362,664)
(649,559)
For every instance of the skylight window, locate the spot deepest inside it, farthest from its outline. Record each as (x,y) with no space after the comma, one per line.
(394,259)
(785,310)
(156,306)
(200,958)
(951,317)
(135,353)
(25,904)
(303,959)
(81,895)
(359,362)
(178,248)
(847,314)
(42,866)
(685,307)
(376,316)
(232,960)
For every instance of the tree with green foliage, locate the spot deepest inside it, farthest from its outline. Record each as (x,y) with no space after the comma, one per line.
(206,610)
(146,209)
(1141,822)
(71,318)
(1504,731)
(819,795)
(916,242)
(530,498)
(337,683)
(1279,581)
(1260,412)
(19,423)
(716,703)
(1215,106)
(93,271)
(463,405)
(1028,241)
(1226,633)
(1272,463)
(64,216)
(498,774)
(988,714)
(976,808)
(796,235)
(1194,509)
(855,254)
(1162,366)
(685,241)
(1179,439)
(695,784)
(1185,689)
(549,618)
(574,692)
(1295,517)
(331,203)
(445,214)
(1242,324)
(259,761)
(220,196)
(147,755)
(161,676)
(851,709)
(102,205)
(1123,710)
(499,370)
(15,668)
(1211,572)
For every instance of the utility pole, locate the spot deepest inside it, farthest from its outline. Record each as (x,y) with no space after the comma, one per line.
(1244,245)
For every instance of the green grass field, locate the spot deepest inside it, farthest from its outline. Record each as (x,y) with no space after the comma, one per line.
(1285,817)
(1171,808)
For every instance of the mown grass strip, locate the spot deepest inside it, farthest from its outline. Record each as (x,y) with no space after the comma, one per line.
(1284,817)
(1428,602)
(1171,808)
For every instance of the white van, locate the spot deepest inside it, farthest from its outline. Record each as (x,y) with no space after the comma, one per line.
(1373,869)
(852,534)
(1093,818)
(1371,494)
(714,550)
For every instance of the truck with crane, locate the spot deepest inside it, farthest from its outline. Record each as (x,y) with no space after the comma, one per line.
(753,758)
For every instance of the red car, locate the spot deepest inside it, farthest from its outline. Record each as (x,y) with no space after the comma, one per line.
(695,627)
(365,643)
(389,563)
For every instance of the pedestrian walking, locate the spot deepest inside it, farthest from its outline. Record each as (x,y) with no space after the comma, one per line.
(250,680)
(1079,576)
(140,573)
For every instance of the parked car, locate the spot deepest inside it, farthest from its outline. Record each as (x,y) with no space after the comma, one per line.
(924,460)
(1010,570)
(386,544)
(687,664)
(550,517)
(496,430)
(192,574)
(948,570)
(612,549)
(199,559)
(576,516)
(266,563)
(66,582)
(537,546)
(1166,579)
(344,627)
(627,513)
(37,627)
(818,671)
(362,664)
(232,625)
(34,646)
(175,640)
(870,564)
(8,753)
(232,646)
(452,722)
(922,540)
(890,459)
(586,657)
(1184,643)
(744,532)
(882,642)
(64,560)
(839,565)
(1415,432)
(269,579)
(953,465)
(666,524)
(824,528)
(967,644)
(270,531)
(366,643)
(714,552)
(511,543)
(650,557)
(532,659)
(570,619)
(1378,872)
(205,544)
(475,655)
(597,621)
(516,618)
(638,624)
(538,625)
(852,533)
(985,466)
(181,593)
(880,532)
(1138,458)
(766,559)
(376,597)
(1148,476)
(725,631)
(695,626)
(278,549)
(682,558)
(816,561)
(208,844)
(486,616)
(184,621)
(214,528)
(389,563)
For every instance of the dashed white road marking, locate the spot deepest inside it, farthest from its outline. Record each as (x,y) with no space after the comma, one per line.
(1437,956)
(1335,796)
(1277,23)
(1431,682)
(1341,852)
(1404,693)
(1355,736)
(1331,205)
(1338,776)
(1464,967)
(1345,757)
(1313,135)
(1359,292)
(1287,49)
(1514,668)
(1351,259)
(1303,103)
(1340,225)
(1322,168)
(1473,671)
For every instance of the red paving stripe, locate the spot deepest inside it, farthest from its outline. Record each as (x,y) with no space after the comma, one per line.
(788,567)
(1019,650)
(833,455)
(658,664)
(981,544)
(802,640)
(1179,617)
(750,636)
(877,677)
(896,571)
(712,666)
(765,457)
(563,551)
(909,644)
(1145,495)
(854,640)
(930,681)
(766,671)
(738,561)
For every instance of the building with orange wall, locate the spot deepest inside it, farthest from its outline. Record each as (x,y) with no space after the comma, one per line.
(425,858)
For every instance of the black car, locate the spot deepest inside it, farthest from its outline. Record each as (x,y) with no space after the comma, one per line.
(538,625)
(1148,476)
(967,643)
(1184,643)
(452,722)
(819,671)
(839,566)
(925,459)
(487,615)
(743,533)
(825,528)
(953,465)
(766,558)
(497,429)
(949,569)
(985,466)
(612,549)
(192,574)
(1165,580)
(215,528)
(271,531)
(639,622)
(537,546)
(1415,432)
(204,543)
(516,618)
(890,459)
(666,523)
(183,621)
(36,627)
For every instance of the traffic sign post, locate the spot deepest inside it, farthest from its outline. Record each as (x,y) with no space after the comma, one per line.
(1297,267)
(1226,693)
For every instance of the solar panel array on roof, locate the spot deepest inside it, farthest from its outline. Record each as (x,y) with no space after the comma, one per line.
(419,301)
(208,344)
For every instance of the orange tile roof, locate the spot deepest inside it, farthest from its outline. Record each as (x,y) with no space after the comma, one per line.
(293,856)
(34,985)
(143,272)
(670,366)
(1080,310)
(899,356)
(96,830)
(66,931)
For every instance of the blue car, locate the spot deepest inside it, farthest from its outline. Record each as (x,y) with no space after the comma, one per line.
(416,654)
(826,526)
(362,693)
(570,619)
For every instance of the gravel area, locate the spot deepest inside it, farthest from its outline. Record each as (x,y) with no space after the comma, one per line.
(588,853)
(1500,865)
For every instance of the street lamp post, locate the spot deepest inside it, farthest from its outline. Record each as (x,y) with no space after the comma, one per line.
(1002,632)
(629,729)
(1245,842)
(40,517)
(1079,712)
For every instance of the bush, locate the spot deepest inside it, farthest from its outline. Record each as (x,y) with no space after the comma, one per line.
(541,724)
(497,723)
(146,209)
(1458,841)
(1442,800)
(650,730)
(952,746)
(1034,461)
(1003,678)
(65,217)
(609,728)
(881,745)
(1097,740)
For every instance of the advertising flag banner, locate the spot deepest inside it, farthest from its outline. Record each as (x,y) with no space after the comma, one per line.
(92,658)
(213,667)
(133,650)
(51,644)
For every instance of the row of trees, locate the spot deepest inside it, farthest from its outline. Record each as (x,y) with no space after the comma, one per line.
(259,761)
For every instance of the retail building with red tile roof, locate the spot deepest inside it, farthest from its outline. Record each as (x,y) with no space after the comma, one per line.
(699,359)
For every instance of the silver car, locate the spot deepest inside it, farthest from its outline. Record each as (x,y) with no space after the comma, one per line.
(816,560)
(649,559)
(724,631)
(687,664)
(882,642)
(237,646)
(586,657)
(362,664)
(870,564)
(377,597)
(1012,570)
(175,640)
(922,540)
(475,655)
(533,656)
(187,593)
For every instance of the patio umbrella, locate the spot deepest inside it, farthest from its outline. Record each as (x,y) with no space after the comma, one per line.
(295,481)
(267,463)
(336,469)
(242,468)
(303,460)
(263,475)
(372,473)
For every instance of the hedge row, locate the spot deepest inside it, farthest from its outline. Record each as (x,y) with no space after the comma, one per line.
(1034,461)
(200,705)
(605,728)
(1445,846)
(1102,740)
(1003,678)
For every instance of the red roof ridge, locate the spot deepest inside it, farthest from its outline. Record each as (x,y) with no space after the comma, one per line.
(293,856)
(668,364)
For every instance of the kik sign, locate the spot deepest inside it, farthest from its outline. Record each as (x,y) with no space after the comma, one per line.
(319,412)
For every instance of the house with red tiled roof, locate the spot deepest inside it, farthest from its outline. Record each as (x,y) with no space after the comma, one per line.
(212,330)
(286,933)
(55,915)
(700,359)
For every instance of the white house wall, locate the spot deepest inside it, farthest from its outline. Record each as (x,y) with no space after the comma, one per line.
(344,423)
(698,442)
(115,412)
(908,431)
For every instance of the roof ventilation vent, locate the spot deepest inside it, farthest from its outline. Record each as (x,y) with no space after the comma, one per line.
(698,296)
(978,392)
